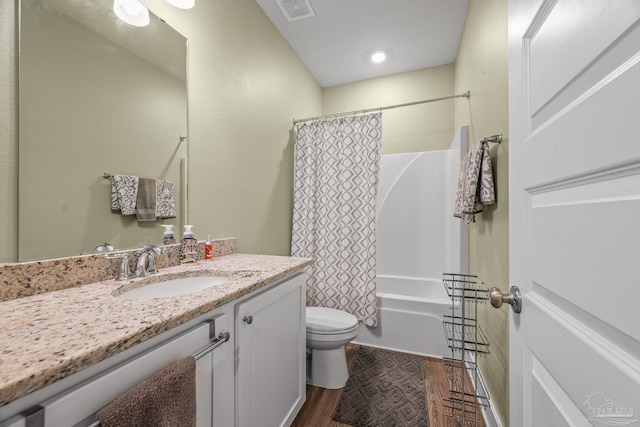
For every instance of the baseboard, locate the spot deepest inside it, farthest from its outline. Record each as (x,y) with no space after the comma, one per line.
(491,417)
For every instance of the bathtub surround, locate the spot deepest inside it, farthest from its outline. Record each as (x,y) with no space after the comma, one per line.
(418,240)
(404,301)
(334,221)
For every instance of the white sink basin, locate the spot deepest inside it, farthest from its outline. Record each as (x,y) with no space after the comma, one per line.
(172,287)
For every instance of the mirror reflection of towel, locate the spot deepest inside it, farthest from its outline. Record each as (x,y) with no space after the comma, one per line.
(146,200)
(167,399)
(165,199)
(124,191)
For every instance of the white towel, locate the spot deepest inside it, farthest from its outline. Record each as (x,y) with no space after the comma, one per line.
(124,192)
(165,199)
(475,183)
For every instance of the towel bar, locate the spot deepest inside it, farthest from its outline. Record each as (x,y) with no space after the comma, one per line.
(215,343)
(222,338)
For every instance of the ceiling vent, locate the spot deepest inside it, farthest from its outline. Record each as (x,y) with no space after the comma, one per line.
(294,10)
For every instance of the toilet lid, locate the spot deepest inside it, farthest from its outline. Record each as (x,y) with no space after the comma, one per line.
(323,320)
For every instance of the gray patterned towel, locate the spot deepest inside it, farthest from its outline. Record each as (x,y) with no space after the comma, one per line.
(475,183)
(165,199)
(124,192)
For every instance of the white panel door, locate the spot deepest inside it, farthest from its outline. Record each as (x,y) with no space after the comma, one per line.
(574,84)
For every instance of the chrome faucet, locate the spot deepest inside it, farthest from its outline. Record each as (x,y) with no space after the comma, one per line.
(147,260)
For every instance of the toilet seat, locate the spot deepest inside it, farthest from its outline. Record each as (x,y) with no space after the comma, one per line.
(329,321)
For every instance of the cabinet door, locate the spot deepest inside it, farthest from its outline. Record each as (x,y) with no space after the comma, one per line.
(214,380)
(270,351)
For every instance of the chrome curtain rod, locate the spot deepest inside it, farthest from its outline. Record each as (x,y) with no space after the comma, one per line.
(467,94)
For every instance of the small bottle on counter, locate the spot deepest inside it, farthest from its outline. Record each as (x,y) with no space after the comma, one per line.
(208,249)
(189,247)
(167,236)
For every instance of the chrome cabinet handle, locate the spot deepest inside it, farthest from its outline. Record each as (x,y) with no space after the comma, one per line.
(247,319)
(513,298)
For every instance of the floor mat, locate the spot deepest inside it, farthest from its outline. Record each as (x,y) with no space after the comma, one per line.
(385,389)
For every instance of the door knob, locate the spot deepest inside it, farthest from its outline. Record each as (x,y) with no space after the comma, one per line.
(248,319)
(513,298)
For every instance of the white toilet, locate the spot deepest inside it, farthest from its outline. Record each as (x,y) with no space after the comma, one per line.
(328,330)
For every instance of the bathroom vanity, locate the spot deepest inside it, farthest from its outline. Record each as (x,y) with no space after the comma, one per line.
(67,354)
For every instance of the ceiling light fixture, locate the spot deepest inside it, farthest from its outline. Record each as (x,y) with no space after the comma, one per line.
(132,12)
(378,57)
(182,4)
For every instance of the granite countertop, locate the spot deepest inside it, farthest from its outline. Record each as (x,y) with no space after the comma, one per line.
(50,336)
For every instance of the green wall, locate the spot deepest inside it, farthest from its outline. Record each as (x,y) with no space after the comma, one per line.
(482,68)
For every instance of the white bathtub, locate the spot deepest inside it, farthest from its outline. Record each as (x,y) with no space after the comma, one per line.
(410,313)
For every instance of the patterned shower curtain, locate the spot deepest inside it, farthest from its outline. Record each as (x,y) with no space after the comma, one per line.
(334,211)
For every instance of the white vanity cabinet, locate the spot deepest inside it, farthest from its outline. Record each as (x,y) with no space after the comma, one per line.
(255,376)
(270,355)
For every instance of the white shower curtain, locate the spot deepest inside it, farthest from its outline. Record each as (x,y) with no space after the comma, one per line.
(335,188)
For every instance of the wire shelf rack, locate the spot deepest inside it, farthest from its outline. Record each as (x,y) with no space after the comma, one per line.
(465,334)
(467,342)
(465,286)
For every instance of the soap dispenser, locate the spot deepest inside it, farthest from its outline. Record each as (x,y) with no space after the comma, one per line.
(167,236)
(189,247)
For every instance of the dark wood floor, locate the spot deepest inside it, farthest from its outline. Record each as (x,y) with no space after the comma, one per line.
(321,403)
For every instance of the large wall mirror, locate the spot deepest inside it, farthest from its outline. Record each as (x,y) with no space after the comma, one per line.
(96,95)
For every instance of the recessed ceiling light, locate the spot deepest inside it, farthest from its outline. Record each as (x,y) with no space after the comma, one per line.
(132,12)
(182,4)
(378,57)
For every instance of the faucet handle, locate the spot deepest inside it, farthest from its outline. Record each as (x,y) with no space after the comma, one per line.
(153,252)
(124,272)
(151,264)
